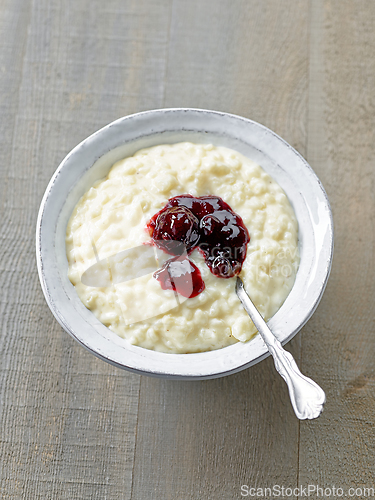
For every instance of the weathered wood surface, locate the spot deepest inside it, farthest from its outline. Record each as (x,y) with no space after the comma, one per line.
(74,427)
(338,344)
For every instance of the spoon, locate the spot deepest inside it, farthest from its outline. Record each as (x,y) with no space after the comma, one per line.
(306,396)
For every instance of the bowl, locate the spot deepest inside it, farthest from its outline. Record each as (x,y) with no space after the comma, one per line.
(92,159)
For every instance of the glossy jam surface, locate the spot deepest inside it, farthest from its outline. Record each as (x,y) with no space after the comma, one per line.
(176,224)
(206,223)
(182,275)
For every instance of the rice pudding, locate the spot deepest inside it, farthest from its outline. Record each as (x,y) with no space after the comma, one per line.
(112,217)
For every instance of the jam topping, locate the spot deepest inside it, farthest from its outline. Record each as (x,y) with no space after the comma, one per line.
(206,223)
(176,224)
(182,275)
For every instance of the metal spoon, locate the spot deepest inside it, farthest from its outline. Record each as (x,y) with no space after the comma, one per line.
(306,396)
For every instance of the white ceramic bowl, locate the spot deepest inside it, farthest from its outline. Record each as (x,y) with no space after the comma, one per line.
(92,159)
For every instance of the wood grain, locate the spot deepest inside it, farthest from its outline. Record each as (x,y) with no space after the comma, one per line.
(339,344)
(72,426)
(68,421)
(244,57)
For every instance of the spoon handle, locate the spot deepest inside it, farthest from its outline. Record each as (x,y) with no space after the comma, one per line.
(306,396)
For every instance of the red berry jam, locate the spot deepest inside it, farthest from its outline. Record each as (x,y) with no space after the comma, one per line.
(182,275)
(206,223)
(176,224)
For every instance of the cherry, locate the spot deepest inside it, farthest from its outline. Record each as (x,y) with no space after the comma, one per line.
(181,275)
(223,267)
(176,224)
(206,223)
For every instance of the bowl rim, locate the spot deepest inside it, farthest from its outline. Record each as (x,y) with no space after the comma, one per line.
(220,370)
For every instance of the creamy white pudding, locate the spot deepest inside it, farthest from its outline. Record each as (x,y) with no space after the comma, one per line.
(112,216)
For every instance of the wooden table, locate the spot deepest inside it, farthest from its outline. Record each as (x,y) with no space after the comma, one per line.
(74,427)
